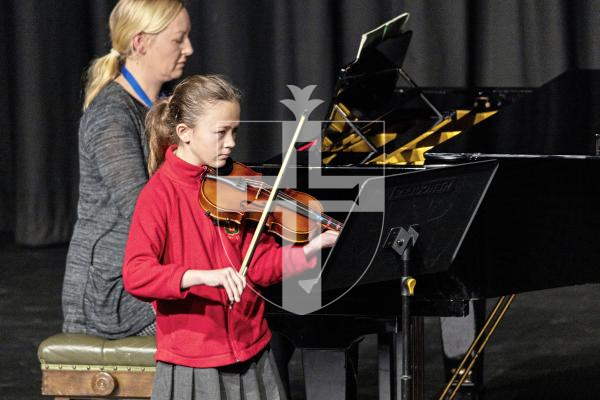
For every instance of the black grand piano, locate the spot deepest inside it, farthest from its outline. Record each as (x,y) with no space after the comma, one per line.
(536,227)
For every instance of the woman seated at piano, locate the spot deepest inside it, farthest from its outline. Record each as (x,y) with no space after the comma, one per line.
(212,337)
(150,46)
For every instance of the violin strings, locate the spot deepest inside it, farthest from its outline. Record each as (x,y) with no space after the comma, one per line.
(307,210)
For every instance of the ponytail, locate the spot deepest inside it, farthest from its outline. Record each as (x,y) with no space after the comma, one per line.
(160,131)
(102,70)
(100,73)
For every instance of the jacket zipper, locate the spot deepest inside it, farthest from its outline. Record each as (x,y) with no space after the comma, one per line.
(215,234)
(230,332)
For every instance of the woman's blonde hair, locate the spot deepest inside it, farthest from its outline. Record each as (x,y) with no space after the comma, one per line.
(188,102)
(127,19)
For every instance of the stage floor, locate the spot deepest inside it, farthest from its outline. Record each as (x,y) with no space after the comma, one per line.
(548,346)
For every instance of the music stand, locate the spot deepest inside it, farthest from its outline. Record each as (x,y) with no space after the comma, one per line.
(426,216)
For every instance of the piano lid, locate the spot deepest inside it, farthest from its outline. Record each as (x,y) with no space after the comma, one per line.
(559,118)
(367,84)
(369,111)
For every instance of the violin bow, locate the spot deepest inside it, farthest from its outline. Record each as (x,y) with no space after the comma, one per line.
(274,190)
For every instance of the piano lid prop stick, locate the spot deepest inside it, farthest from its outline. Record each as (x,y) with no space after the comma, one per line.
(272,196)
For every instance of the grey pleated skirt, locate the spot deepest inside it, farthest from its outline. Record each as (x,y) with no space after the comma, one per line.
(255,379)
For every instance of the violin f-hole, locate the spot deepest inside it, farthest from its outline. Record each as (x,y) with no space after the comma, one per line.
(258,204)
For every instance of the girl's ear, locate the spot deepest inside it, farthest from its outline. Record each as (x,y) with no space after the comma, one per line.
(184,133)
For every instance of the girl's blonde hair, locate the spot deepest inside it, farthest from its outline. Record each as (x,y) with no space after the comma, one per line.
(188,102)
(127,19)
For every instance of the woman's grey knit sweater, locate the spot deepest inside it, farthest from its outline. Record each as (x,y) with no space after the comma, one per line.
(112,166)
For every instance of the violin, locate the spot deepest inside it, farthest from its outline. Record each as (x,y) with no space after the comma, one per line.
(235,193)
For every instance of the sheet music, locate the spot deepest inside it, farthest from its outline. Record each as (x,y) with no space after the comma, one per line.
(389,29)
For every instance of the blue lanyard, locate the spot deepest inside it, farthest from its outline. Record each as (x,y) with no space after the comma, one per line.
(136,86)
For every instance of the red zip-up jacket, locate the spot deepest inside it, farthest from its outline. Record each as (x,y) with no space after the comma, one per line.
(170,234)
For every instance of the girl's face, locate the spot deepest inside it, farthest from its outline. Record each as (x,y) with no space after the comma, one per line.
(167,51)
(212,139)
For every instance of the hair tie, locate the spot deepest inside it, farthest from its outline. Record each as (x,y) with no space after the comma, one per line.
(114,53)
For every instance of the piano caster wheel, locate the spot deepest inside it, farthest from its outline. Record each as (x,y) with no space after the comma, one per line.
(469,390)
(468,380)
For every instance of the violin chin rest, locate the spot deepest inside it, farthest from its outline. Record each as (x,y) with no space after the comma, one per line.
(227,168)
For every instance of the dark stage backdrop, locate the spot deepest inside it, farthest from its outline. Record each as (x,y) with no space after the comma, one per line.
(263,46)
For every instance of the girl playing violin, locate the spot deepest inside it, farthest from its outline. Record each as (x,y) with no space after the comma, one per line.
(177,257)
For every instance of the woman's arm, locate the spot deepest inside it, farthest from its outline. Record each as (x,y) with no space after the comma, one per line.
(112,138)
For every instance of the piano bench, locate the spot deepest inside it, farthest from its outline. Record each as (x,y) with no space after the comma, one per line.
(78,365)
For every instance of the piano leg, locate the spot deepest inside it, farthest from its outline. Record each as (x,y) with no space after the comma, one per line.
(330,373)
(387,366)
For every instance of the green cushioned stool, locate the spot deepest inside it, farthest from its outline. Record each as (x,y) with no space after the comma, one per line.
(78,365)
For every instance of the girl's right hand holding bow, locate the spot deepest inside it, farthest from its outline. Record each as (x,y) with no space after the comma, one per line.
(228,278)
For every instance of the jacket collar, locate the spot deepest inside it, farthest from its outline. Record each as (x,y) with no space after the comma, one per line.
(182,171)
